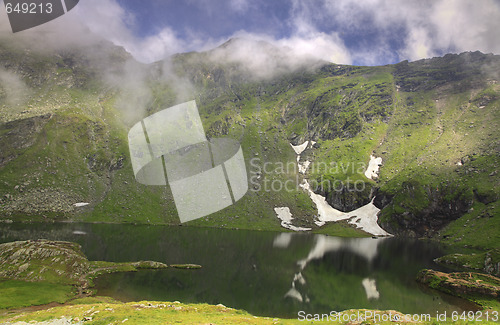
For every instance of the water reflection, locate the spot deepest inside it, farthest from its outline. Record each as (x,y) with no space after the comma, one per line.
(264,273)
(364,247)
(283,240)
(370,288)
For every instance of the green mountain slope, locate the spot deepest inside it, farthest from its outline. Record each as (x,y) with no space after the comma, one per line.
(434,123)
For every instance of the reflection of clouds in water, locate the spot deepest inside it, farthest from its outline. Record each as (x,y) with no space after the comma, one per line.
(364,247)
(370,288)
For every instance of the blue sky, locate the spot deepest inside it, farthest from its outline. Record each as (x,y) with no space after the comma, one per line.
(212,19)
(362,32)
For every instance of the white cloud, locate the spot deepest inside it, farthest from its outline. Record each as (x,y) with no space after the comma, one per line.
(467,25)
(327,47)
(421,28)
(428,28)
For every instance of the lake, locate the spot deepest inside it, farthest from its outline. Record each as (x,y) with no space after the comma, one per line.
(265,273)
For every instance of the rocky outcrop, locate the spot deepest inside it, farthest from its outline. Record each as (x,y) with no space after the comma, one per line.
(19,135)
(59,262)
(432,209)
(40,260)
(347,197)
(462,284)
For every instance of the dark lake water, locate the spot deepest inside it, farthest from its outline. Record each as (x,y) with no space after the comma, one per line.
(264,273)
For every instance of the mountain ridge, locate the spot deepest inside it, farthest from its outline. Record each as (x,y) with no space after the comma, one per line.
(421,117)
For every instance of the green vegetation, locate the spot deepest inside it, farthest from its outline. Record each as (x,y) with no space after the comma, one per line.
(104,310)
(433,122)
(488,262)
(42,271)
(16,293)
(480,288)
(153,312)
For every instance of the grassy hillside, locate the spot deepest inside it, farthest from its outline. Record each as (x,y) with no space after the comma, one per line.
(433,122)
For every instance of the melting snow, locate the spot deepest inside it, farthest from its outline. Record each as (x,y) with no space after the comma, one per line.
(372,170)
(364,218)
(303,167)
(300,148)
(325,211)
(285,215)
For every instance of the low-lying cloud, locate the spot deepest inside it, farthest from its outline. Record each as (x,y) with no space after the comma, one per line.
(13,91)
(317,30)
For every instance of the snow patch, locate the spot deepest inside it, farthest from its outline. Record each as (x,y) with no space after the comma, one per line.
(80,204)
(373,166)
(325,211)
(300,148)
(303,167)
(364,218)
(286,218)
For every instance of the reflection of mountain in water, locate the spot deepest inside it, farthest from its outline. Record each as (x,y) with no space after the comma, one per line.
(364,247)
(241,267)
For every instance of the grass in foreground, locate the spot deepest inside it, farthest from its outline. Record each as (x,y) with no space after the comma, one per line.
(103,311)
(15,293)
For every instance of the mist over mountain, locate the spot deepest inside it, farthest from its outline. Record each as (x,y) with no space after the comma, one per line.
(65,114)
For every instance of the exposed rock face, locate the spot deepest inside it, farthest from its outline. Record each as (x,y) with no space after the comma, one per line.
(20,135)
(348,198)
(435,210)
(329,115)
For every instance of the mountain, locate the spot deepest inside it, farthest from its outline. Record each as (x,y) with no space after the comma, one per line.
(434,122)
